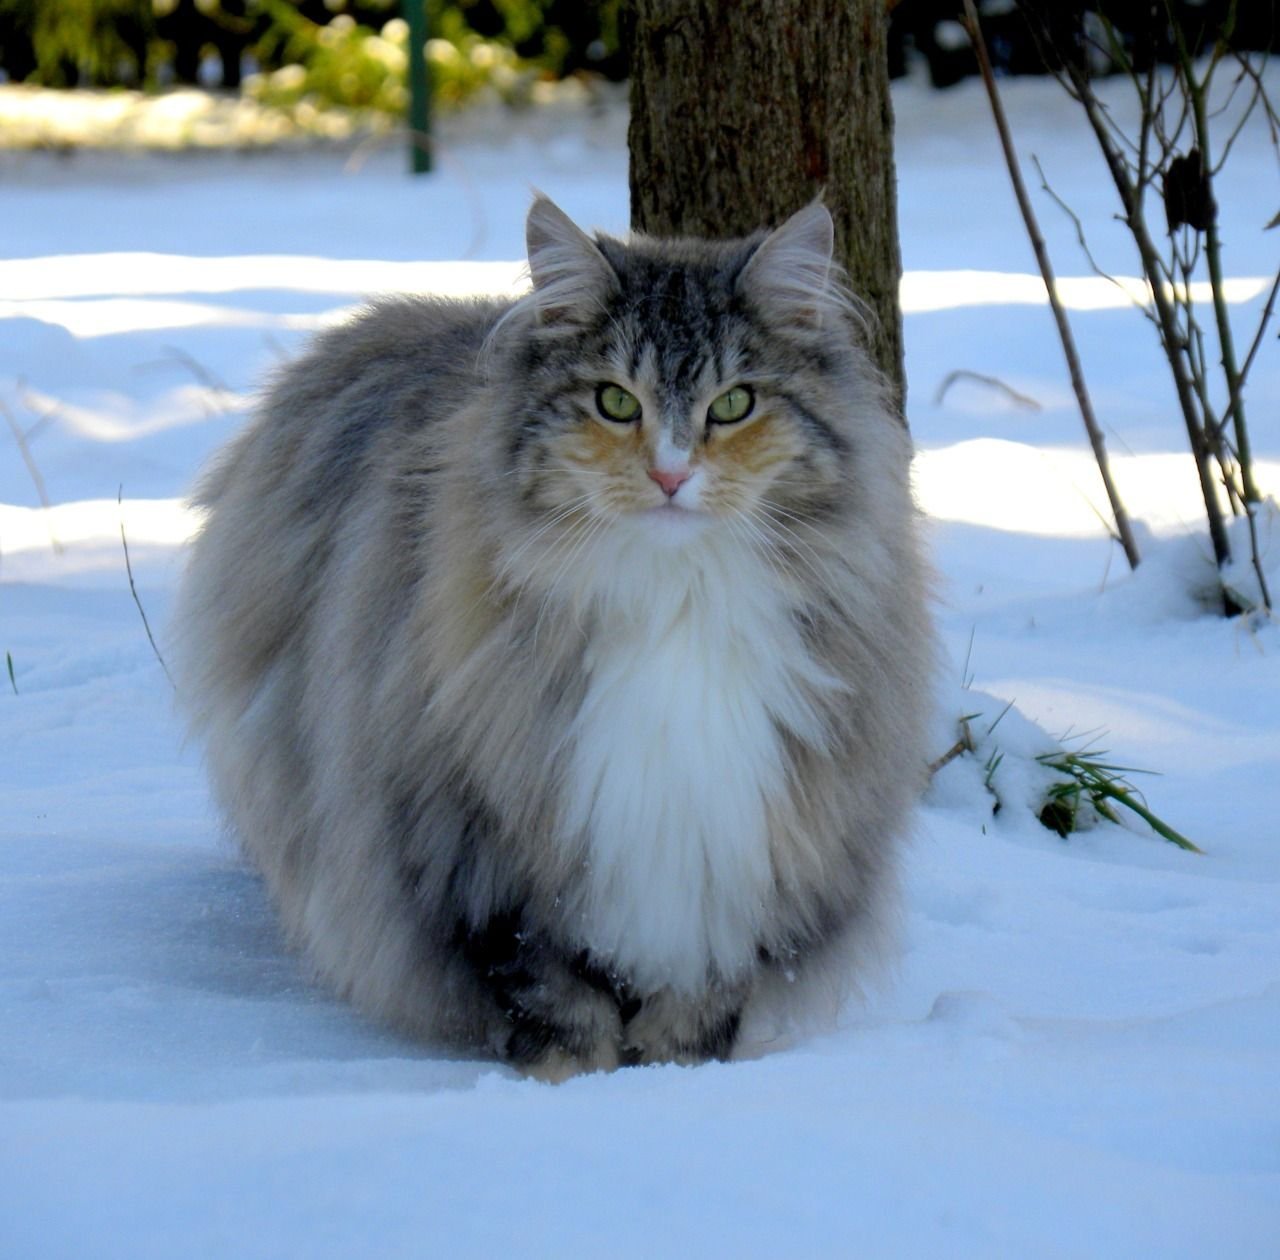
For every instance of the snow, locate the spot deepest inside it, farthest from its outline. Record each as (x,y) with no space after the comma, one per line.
(1074,1050)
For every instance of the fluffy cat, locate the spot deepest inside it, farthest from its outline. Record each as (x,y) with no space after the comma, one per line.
(563,663)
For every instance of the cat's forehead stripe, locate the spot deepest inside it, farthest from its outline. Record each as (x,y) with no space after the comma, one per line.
(675,319)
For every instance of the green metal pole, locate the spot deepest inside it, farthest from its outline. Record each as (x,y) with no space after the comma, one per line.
(415,14)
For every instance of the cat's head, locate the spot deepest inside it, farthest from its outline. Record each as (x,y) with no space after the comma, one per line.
(669,387)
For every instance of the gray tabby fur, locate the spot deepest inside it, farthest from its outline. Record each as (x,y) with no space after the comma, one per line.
(532,760)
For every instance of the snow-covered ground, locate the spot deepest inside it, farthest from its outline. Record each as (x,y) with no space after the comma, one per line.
(1076,1050)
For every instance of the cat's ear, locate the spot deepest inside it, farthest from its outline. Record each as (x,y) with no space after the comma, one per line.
(571,277)
(792,275)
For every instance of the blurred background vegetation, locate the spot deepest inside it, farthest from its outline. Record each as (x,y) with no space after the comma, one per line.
(352,53)
(349,53)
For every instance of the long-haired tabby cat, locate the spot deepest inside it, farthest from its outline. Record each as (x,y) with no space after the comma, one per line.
(563,663)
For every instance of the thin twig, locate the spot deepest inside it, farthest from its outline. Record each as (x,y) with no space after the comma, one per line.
(213,385)
(1262,326)
(24,449)
(273,344)
(1225,107)
(1269,111)
(1196,92)
(197,369)
(1096,440)
(44,415)
(1251,511)
(1157,274)
(963,745)
(1021,400)
(133,590)
(1245,115)
(1083,240)
(958,749)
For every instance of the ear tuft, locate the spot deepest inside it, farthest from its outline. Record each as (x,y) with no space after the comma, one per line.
(571,277)
(793,274)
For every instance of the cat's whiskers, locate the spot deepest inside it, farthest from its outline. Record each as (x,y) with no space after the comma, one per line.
(789,522)
(777,509)
(583,533)
(741,528)
(565,510)
(786,539)
(567,540)
(791,556)
(774,550)
(504,575)
(817,565)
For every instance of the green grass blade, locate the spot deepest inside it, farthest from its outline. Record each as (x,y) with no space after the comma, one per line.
(1158,825)
(1102,783)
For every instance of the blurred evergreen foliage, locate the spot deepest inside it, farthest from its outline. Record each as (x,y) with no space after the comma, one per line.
(353,52)
(331,52)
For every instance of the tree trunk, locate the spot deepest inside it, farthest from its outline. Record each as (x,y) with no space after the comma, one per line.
(742,113)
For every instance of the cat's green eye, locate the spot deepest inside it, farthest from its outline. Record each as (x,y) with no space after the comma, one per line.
(733,405)
(615,403)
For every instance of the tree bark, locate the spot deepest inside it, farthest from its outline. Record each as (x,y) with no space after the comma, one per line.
(742,113)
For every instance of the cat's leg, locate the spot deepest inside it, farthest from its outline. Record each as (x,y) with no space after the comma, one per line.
(666,1027)
(555,1016)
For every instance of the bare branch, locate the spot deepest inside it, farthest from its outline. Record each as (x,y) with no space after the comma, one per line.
(43,415)
(133,590)
(1147,115)
(963,374)
(1225,107)
(1156,273)
(1096,440)
(197,369)
(1269,111)
(33,470)
(1254,546)
(1094,266)
(1114,48)
(1175,111)
(1256,97)
(1262,326)
(1196,95)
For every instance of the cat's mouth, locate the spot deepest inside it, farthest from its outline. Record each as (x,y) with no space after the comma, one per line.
(672,523)
(673,510)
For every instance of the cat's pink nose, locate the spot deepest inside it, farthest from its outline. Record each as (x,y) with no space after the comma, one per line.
(670,481)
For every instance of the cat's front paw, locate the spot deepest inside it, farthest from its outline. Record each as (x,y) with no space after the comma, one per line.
(580,1033)
(670,1028)
(557,1066)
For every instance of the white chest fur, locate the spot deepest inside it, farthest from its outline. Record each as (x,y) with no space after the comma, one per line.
(676,758)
